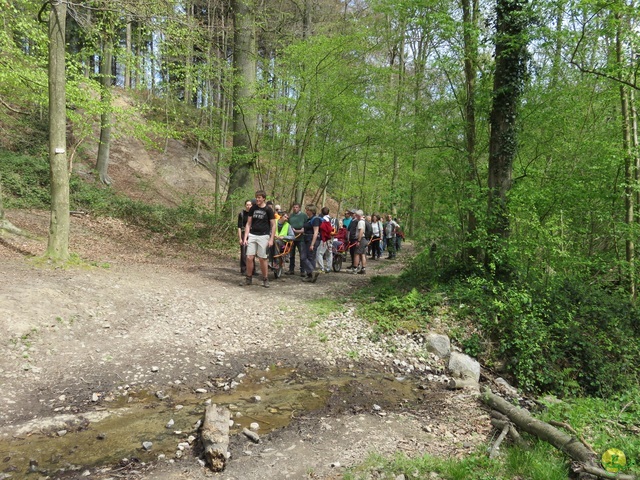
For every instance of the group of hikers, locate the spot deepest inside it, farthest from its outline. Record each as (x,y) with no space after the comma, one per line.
(264,229)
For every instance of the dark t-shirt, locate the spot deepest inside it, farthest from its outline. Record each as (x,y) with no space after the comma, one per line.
(260,220)
(242,219)
(314,221)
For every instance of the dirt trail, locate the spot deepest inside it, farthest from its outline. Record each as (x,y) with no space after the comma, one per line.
(152,316)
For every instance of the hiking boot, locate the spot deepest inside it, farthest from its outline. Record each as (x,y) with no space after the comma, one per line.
(265,282)
(314,276)
(247,281)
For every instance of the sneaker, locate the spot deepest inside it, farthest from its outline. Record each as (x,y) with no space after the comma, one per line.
(356,270)
(306,279)
(350,269)
(314,276)
(362,272)
(265,282)
(247,281)
(302,274)
(289,273)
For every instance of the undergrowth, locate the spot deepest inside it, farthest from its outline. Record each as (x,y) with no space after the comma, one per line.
(563,336)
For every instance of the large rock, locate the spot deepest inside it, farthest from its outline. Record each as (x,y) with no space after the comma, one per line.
(463,366)
(439,344)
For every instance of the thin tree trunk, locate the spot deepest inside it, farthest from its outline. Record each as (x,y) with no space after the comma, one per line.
(629,174)
(58,242)
(470,19)
(128,57)
(398,109)
(102,163)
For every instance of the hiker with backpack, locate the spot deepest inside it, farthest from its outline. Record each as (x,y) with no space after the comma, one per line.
(324,256)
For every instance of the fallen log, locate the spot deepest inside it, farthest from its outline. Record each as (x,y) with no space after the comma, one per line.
(215,436)
(568,444)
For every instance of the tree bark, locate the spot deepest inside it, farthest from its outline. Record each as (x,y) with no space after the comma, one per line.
(102,163)
(470,27)
(215,436)
(507,88)
(629,166)
(524,421)
(244,115)
(58,242)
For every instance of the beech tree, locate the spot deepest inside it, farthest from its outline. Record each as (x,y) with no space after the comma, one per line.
(58,244)
(244,110)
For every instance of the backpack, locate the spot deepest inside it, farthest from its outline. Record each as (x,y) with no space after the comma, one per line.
(326,230)
(368,230)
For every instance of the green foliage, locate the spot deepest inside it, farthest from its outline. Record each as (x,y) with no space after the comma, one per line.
(566,336)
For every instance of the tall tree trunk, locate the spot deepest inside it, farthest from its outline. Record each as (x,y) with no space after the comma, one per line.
(189,96)
(634,146)
(470,27)
(58,242)
(102,163)
(399,81)
(507,88)
(629,166)
(128,58)
(244,114)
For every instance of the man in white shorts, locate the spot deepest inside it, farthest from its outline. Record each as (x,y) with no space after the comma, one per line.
(259,235)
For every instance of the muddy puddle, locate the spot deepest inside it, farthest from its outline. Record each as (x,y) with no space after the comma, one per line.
(118,430)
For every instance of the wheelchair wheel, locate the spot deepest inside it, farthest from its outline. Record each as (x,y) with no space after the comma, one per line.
(278,269)
(337,262)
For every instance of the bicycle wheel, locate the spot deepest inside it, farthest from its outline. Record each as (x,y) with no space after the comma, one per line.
(337,262)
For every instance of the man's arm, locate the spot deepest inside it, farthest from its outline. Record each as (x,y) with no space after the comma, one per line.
(272,222)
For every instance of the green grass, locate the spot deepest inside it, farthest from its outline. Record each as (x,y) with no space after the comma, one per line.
(325,306)
(539,463)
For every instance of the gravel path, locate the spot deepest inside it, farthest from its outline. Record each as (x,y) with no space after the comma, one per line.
(151,316)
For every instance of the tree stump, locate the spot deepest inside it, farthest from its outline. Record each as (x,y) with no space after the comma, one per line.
(215,436)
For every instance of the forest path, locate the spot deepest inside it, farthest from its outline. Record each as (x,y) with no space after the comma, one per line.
(150,316)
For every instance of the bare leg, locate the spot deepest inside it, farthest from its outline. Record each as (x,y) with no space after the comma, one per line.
(250,265)
(264,267)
